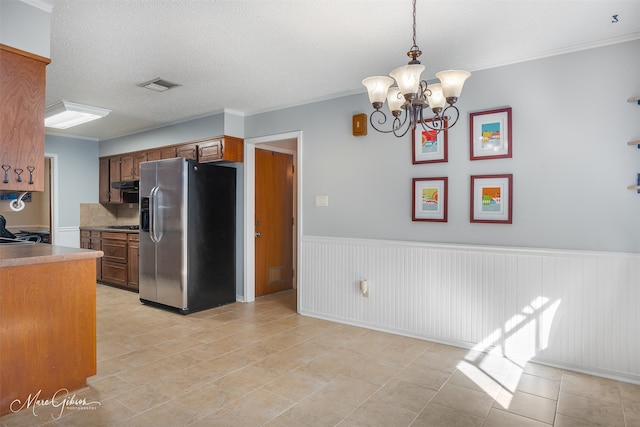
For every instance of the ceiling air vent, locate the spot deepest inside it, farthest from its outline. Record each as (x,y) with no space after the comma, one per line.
(158,85)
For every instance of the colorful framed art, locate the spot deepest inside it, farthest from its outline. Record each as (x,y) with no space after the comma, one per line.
(490,134)
(491,198)
(430,199)
(430,146)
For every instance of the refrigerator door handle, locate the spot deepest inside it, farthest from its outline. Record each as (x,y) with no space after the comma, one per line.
(153,205)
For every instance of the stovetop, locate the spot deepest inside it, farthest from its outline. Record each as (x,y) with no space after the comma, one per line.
(124,227)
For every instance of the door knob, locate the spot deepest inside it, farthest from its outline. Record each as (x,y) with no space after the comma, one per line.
(258,234)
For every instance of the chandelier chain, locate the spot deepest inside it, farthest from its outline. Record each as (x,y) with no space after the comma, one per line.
(414,22)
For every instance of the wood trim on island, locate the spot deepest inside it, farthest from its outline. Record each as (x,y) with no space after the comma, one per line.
(47,327)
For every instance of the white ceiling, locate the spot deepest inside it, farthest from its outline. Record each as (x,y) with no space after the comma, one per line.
(256,55)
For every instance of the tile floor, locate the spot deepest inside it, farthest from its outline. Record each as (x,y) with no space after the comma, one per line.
(262,364)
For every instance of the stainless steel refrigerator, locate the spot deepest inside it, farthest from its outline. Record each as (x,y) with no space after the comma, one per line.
(187,234)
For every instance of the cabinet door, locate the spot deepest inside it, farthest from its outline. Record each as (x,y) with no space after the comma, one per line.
(188,151)
(168,153)
(104,183)
(137,159)
(114,273)
(96,245)
(114,246)
(209,151)
(85,239)
(22,81)
(115,196)
(133,261)
(154,155)
(127,168)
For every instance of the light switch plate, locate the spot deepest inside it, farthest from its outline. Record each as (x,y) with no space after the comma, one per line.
(359,124)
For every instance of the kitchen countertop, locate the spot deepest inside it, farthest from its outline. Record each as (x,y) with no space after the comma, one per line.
(106,228)
(41,253)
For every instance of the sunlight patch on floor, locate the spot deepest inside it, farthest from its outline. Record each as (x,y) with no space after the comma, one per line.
(497,362)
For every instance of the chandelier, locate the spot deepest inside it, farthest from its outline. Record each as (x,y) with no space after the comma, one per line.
(414,95)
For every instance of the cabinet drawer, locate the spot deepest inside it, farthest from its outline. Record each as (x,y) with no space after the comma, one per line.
(115,273)
(114,236)
(115,250)
(85,234)
(133,237)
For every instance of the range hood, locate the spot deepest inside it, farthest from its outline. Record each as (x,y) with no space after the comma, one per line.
(126,186)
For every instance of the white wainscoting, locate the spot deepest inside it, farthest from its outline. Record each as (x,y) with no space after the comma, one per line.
(571,309)
(67,236)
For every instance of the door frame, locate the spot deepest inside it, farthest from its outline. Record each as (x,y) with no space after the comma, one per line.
(53,197)
(249,205)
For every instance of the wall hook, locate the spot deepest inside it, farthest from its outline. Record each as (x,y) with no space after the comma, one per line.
(6,169)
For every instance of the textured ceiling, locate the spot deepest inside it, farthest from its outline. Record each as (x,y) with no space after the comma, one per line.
(255,55)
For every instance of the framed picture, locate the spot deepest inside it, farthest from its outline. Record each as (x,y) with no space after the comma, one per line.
(490,134)
(492,198)
(430,146)
(430,199)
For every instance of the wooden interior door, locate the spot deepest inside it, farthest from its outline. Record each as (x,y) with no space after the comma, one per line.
(274,222)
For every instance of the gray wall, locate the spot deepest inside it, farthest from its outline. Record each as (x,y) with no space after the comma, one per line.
(25,27)
(571,163)
(77,175)
(192,130)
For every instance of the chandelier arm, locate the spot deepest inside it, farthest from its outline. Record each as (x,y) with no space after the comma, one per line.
(448,118)
(382,121)
(400,127)
(438,124)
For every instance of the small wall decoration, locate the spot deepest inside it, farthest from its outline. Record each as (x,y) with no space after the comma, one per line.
(430,199)
(492,198)
(490,134)
(430,146)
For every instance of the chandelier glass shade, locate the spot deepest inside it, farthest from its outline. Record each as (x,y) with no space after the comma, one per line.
(412,96)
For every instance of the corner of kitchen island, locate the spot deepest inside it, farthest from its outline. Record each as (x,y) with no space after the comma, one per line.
(47,321)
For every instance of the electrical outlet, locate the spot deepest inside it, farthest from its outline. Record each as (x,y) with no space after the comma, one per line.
(322,200)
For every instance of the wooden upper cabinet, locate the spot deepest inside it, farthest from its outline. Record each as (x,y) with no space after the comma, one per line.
(130,165)
(168,153)
(213,149)
(137,159)
(188,151)
(126,168)
(104,183)
(154,155)
(233,149)
(161,153)
(209,151)
(115,163)
(22,95)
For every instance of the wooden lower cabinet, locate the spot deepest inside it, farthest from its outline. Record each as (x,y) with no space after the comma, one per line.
(91,240)
(114,261)
(133,264)
(120,264)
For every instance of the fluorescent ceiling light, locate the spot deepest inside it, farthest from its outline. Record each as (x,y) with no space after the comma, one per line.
(66,114)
